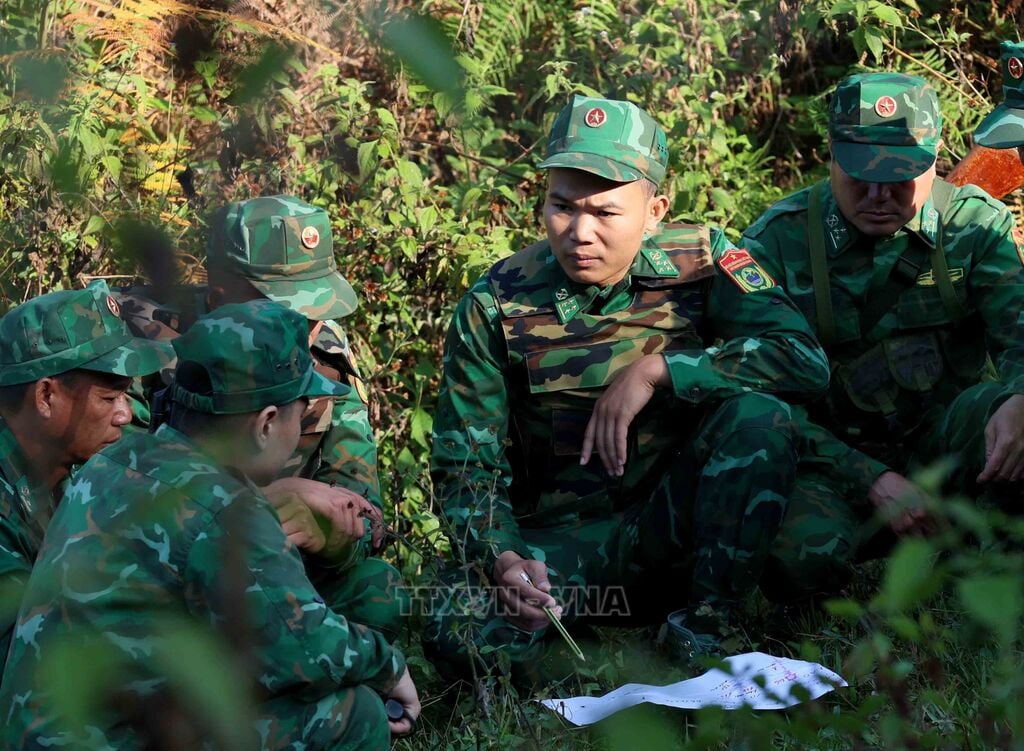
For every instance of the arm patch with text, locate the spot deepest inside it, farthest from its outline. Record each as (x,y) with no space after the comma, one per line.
(744,271)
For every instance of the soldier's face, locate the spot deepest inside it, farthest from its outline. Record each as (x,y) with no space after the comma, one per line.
(879,209)
(595,226)
(86,413)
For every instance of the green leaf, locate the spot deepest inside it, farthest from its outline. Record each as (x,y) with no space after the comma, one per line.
(909,577)
(873,38)
(994,601)
(887,14)
(410,175)
(420,426)
(95,224)
(424,50)
(366,158)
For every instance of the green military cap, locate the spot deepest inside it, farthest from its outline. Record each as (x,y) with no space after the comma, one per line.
(282,246)
(1004,126)
(885,127)
(614,139)
(81,328)
(256,354)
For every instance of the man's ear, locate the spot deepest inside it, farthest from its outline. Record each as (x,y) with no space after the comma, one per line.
(44,393)
(264,425)
(657,207)
(215,296)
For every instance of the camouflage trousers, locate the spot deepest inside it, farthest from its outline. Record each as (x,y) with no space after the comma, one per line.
(369,592)
(826,532)
(702,537)
(350,718)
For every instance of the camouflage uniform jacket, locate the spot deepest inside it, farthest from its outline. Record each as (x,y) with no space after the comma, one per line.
(152,532)
(337,444)
(529,351)
(25,509)
(887,381)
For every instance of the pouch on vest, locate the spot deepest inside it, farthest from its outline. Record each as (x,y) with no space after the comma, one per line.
(868,383)
(915,360)
(921,306)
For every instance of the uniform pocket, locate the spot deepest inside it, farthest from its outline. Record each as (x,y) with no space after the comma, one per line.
(915,361)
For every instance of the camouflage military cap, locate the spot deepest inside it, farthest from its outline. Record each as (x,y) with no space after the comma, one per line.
(256,354)
(614,139)
(885,127)
(282,246)
(1004,126)
(81,328)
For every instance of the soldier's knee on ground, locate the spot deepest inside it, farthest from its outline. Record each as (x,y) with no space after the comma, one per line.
(351,718)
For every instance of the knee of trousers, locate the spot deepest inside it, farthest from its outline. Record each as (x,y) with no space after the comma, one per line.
(815,564)
(972,408)
(348,718)
(737,416)
(375,595)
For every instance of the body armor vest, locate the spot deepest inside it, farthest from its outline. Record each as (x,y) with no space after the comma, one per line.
(558,371)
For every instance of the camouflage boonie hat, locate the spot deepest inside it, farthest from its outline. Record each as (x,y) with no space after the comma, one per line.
(256,354)
(1004,126)
(282,246)
(607,137)
(82,328)
(885,127)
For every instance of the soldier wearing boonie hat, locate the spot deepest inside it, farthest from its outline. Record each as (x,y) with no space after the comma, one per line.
(546,347)
(171,524)
(1003,128)
(65,362)
(914,288)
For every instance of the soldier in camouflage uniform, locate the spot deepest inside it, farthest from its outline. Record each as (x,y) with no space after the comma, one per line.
(650,345)
(915,289)
(1003,128)
(66,360)
(170,528)
(279,247)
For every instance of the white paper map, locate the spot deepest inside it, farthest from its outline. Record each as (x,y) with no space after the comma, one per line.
(715,688)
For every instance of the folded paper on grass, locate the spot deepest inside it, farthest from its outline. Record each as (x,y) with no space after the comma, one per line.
(739,687)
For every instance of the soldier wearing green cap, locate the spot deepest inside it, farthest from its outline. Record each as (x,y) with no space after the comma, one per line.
(603,421)
(66,360)
(328,492)
(914,288)
(170,528)
(1003,128)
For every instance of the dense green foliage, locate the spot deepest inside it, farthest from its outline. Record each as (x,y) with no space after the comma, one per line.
(418,125)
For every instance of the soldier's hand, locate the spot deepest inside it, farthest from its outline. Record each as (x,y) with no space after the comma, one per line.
(298,523)
(1004,442)
(615,409)
(404,692)
(338,512)
(522,600)
(901,503)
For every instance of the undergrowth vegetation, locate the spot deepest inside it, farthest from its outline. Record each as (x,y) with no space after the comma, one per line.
(418,126)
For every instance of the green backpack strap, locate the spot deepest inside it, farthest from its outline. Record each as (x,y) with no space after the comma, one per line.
(819,267)
(942,195)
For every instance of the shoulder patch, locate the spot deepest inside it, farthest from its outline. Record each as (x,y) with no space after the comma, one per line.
(744,271)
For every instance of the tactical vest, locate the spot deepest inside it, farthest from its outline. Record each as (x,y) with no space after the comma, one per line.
(883,391)
(558,371)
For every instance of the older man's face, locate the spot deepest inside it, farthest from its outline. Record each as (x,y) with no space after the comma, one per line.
(879,209)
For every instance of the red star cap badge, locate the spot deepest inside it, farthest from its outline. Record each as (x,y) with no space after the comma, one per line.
(595,117)
(1015,67)
(885,106)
